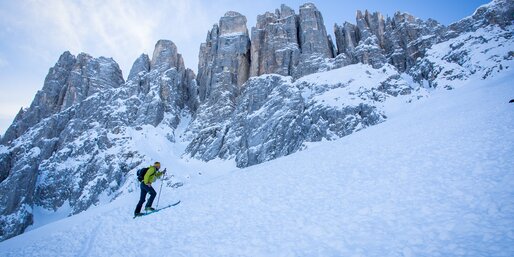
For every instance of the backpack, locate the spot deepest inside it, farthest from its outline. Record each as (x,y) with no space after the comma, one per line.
(141,174)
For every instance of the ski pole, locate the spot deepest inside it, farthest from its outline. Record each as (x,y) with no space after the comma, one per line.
(158,198)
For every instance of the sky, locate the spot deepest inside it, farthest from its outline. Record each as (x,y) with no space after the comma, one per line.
(34,33)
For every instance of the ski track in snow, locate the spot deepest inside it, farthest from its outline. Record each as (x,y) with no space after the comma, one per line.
(436,180)
(86,248)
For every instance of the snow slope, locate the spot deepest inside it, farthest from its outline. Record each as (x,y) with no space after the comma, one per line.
(434,180)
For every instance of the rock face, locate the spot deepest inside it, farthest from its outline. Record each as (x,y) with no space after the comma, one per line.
(315,44)
(376,40)
(498,12)
(224,57)
(479,54)
(38,132)
(163,85)
(313,36)
(71,145)
(287,44)
(275,43)
(275,116)
(70,81)
(273,119)
(290,44)
(476,46)
(223,67)
(282,43)
(402,40)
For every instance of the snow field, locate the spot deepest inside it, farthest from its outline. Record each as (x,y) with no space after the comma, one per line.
(434,180)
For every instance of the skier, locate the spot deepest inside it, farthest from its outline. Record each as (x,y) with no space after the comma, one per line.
(146,187)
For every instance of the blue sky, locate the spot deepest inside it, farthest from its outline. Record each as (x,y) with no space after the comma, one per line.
(34,33)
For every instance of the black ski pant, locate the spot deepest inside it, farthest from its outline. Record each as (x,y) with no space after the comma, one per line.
(144,190)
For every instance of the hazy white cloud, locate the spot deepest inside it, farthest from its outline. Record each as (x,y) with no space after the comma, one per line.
(119,29)
(108,28)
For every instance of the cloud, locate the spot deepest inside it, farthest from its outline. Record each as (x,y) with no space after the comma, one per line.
(119,29)
(108,28)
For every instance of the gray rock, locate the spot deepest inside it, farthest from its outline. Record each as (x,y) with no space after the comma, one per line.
(223,67)
(207,56)
(477,54)
(166,87)
(265,124)
(400,40)
(288,44)
(80,149)
(316,48)
(166,56)
(224,57)
(44,128)
(441,71)
(312,32)
(233,23)
(140,67)
(90,76)
(5,165)
(408,38)
(275,47)
(273,119)
(69,82)
(497,12)
(46,102)
(347,38)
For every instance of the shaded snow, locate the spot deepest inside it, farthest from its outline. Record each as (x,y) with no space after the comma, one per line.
(43,216)
(434,180)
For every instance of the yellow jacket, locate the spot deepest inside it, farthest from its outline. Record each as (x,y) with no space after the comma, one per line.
(151,175)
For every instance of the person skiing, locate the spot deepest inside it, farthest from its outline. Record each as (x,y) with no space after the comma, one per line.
(146,187)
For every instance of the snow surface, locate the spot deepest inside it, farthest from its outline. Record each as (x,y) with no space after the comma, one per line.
(434,180)
(3,149)
(475,55)
(341,86)
(43,216)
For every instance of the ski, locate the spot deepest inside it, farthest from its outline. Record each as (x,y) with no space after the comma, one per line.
(157,210)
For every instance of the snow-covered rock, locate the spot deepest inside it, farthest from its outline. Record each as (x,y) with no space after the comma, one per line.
(480,54)
(399,40)
(275,116)
(49,124)
(497,12)
(73,145)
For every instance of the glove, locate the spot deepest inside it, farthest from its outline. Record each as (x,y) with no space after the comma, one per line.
(164,171)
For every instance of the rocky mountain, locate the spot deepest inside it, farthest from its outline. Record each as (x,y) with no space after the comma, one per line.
(71,147)
(257,96)
(375,40)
